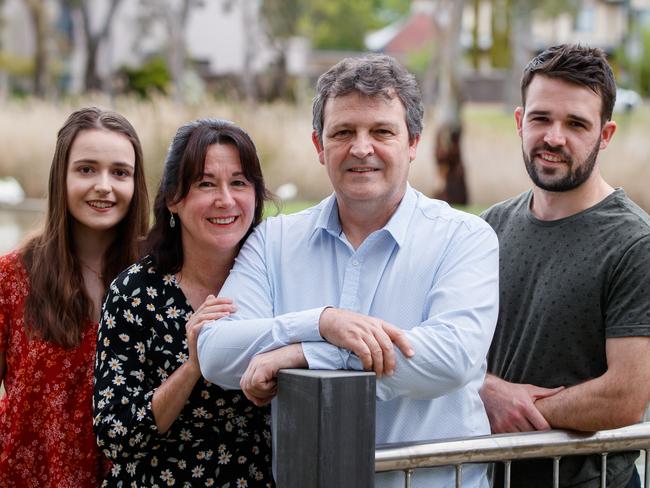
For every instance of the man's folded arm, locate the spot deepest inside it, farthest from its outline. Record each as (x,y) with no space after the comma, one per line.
(226,346)
(451,344)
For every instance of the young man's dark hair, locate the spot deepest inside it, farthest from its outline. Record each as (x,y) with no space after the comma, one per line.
(581,65)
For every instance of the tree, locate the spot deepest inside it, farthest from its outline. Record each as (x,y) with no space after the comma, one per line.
(448,129)
(522,12)
(173,15)
(94,41)
(281,22)
(250,36)
(343,24)
(37,12)
(4,78)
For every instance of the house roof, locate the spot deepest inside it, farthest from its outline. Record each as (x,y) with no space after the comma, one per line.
(412,34)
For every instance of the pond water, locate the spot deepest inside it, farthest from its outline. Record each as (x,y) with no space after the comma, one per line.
(14,226)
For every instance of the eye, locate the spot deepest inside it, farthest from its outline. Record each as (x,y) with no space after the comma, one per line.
(384,132)
(85,170)
(539,118)
(339,134)
(205,184)
(577,125)
(121,173)
(239,183)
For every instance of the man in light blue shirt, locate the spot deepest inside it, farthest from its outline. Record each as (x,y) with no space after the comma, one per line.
(377,276)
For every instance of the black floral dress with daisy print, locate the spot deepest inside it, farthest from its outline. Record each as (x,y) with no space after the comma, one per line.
(220,439)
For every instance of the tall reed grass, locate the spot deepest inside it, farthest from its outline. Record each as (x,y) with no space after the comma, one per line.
(282,133)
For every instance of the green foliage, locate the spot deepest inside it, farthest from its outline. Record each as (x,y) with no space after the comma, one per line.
(418,61)
(331,24)
(16,65)
(500,24)
(643,65)
(338,24)
(551,9)
(282,16)
(637,71)
(152,76)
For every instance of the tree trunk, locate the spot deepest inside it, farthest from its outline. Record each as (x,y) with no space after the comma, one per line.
(476,49)
(520,51)
(93,42)
(37,14)
(448,121)
(176,23)
(248,74)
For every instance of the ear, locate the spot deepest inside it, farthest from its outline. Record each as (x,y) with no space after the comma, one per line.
(413,146)
(319,148)
(606,133)
(519,119)
(173,208)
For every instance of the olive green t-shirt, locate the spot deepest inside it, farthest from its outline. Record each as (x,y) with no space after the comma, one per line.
(565,287)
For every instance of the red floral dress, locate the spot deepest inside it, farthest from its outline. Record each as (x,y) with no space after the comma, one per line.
(46,430)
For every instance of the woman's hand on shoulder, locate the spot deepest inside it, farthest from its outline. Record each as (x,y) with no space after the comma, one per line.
(212,308)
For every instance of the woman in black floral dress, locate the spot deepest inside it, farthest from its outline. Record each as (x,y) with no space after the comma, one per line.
(156,418)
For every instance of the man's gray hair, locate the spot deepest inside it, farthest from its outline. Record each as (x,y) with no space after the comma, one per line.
(372,75)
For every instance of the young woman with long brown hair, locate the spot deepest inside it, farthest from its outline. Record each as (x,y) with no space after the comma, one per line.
(50,295)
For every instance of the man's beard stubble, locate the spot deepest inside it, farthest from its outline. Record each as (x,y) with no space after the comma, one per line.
(573,178)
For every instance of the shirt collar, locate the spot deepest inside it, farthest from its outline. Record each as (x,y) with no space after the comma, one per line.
(328,219)
(397,226)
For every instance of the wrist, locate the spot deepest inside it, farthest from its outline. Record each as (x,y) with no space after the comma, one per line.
(322,320)
(192,369)
(298,356)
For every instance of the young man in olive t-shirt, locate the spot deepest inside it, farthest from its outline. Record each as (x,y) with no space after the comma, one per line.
(572,344)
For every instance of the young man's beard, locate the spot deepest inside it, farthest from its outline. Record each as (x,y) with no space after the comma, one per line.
(573,178)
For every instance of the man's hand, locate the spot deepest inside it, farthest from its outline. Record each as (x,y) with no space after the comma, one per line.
(511,406)
(259,381)
(371,339)
(212,308)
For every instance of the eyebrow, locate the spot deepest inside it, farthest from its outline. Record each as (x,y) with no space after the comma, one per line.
(210,175)
(119,164)
(377,123)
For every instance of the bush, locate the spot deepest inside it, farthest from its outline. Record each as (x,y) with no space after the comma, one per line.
(150,77)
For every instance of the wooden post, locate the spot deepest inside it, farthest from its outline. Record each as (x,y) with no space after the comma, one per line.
(325,429)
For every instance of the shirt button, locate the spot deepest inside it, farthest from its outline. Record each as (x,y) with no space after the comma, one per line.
(355,262)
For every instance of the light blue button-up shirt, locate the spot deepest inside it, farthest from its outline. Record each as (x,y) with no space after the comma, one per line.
(431,270)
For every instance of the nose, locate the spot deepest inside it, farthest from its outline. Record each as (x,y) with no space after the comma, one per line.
(554,136)
(223,197)
(102,183)
(362,146)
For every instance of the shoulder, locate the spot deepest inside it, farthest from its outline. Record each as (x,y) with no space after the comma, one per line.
(501,212)
(441,215)
(11,264)
(140,273)
(290,225)
(13,276)
(622,210)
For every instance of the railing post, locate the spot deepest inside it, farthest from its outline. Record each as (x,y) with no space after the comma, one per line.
(325,430)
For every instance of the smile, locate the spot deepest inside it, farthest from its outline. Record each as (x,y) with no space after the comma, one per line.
(100,204)
(551,158)
(362,170)
(222,220)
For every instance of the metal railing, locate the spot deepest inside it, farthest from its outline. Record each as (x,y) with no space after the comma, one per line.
(325,437)
(509,447)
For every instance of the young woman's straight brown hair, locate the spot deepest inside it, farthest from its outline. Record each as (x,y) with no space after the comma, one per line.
(57,306)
